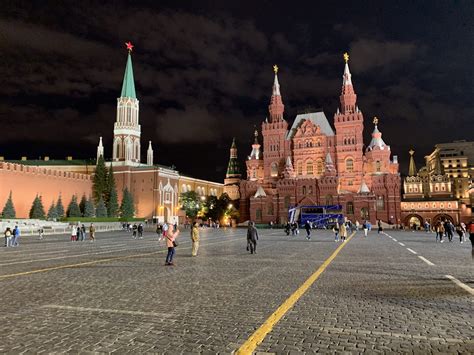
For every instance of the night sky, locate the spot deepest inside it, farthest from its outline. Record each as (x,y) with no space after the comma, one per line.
(203,73)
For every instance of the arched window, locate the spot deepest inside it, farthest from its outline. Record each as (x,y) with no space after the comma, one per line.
(319,167)
(345,141)
(380,204)
(349,165)
(377,166)
(303,190)
(299,167)
(274,169)
(309,167)
(353,141)
(318,142)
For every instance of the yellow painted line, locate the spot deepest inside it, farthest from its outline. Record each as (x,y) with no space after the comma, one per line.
(259,335)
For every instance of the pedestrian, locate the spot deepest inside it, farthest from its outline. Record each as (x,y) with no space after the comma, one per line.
(379,224)
(287,228)
(343,232)
(79,233)
(8,237)
(307,227)
(441,231)
(365,227)
(16,236)
(459,231)
(252,237)
(171,236)
(195,238)
(83,232)
(73,233)
(140,231)
(335,230)
(134,231)
(471,233)
(92,233)
(357,224)
(41,233)
(449,228)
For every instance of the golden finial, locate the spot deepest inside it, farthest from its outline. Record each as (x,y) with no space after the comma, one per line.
(275,68)
(375,121)
(411,151)
(346,57)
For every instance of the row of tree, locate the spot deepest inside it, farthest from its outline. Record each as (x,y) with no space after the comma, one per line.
(209,207)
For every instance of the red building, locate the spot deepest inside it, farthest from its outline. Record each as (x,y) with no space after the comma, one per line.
(310,163)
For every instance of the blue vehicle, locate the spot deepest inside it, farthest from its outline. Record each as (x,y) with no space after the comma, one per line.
(319,216)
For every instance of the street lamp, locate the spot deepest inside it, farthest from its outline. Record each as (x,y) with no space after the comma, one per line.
(230,206)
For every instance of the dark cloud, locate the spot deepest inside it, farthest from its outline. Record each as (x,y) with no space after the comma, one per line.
(203,72)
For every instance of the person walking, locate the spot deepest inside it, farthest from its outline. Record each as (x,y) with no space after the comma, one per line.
(252,237)
(357,225)
(140,231)
(287,228)
(449,227)
(365,227)
(73,233)
(41,233)
(307,227)
(460,232)
(165,230)
(171,236)
(83,232)
(8,237)
(195,238)
(335,230)
(92,233)
(441,232)
(379,224)
(343,232)
(16,236)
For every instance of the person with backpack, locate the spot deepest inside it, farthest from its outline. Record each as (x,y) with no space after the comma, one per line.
(171,236)
(8,237)
(16,236)
(343,232)
(140,231)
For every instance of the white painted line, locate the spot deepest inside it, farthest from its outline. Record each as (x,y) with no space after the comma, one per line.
(460,284)
(412,251)
(401,244)
(395,240)
(426,260)
(100,310)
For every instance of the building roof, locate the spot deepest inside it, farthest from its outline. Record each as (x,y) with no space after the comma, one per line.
(53,162)
(317,118)
(128,85)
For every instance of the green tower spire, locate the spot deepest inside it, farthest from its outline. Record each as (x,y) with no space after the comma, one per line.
(233,169)
(128,86)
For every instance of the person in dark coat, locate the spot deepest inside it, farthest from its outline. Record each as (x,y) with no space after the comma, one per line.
(307,226)
(252,237)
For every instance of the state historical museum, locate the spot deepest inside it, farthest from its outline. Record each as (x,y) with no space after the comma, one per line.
(313,164)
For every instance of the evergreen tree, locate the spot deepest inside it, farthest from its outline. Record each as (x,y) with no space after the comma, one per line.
(112,199)
(127,208)
(99,184)
(52,212)
(73,208)
(60,208)
(37,209)
(89,210)
(113,207)
(101,210)
(9,208)
(82,204)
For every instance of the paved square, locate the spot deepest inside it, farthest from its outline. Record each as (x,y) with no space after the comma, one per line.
(387,293)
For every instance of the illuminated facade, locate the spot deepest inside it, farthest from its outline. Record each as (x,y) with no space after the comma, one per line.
(310,163)
(442,189)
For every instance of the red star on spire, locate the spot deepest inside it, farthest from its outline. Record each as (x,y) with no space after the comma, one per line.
(129,46)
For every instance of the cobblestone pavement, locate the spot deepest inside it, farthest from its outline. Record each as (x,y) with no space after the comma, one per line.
(116,295)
